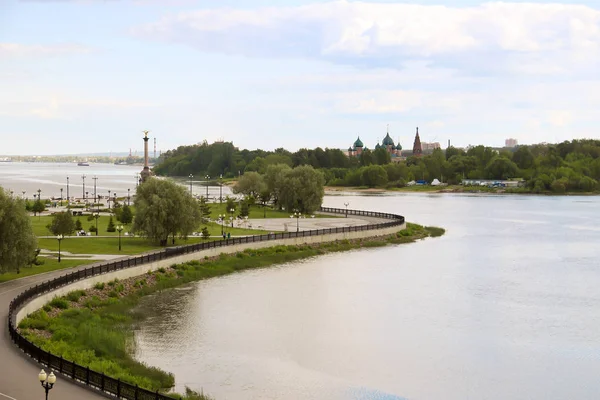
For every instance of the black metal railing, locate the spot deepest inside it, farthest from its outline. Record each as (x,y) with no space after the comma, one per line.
(115,387)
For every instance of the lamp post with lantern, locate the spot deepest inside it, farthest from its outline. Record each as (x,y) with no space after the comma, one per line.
(59,238)
(120,229)
(47,381)
(297,215)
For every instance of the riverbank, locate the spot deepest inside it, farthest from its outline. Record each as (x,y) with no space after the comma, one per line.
(95,327)
(452,189)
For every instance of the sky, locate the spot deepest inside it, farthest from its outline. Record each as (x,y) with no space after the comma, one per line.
(87,76)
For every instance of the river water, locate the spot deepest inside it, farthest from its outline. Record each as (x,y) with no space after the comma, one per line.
(504,306)
(49,178)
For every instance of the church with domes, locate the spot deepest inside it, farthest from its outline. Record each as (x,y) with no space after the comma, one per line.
(387,144)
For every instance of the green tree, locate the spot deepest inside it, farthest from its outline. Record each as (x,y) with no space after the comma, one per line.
(501,168)
(17,240)
(164,209)
(373,176)
(205,233)
(274,179)
(265,197)
(78,225)
(303,189)
(62,224)
(250,184)
(230,204)
(126,215)
(38,207)
(382,156)
(523,157)
(453,151)
(244,209)
(204,208)
(111,225)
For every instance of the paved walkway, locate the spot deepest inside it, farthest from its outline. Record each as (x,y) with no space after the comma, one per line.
(19,376)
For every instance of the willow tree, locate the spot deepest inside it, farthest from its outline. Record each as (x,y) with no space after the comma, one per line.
(165,209)
(17,240)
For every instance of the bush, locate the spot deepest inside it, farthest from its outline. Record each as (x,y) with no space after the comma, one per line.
(59,303)
(113,293)
(75,295)
(111,225)
(99,285)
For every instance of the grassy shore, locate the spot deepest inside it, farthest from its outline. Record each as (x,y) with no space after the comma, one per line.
(95,327)
(452,189)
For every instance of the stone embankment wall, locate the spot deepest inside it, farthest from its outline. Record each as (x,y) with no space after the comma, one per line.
(88,283)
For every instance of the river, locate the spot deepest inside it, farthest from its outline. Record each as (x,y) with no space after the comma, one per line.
(25,179)
(504,306)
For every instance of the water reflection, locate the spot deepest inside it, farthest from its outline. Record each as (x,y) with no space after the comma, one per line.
(503,306)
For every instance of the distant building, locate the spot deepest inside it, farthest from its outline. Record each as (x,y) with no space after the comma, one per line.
(417,148)
(430,146)
(511,143)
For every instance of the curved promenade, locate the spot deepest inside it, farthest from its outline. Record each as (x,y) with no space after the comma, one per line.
(18,378)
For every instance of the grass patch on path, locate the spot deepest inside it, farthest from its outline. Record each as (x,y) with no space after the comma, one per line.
(95,328)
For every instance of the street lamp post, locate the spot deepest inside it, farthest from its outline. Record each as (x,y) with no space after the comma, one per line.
(120,229)
(83,192)
(95,193)
(39,194)
(222,220)
(109,199)
(114,199)
(59,238)
(346,204)
(191,177)
(47,381)
(61,196)
(128,196)
(68,198)
(297,215)
(207,178)
(231,210)
(221,188)
(96,216)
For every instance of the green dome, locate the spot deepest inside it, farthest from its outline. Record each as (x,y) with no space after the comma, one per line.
(377,146)
(349,148)
(387,141)
(358,143)
(398,147)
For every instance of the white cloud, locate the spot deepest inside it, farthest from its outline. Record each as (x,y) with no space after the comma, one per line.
(511,37)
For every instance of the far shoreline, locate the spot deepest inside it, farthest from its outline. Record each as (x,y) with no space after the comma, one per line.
(453,189)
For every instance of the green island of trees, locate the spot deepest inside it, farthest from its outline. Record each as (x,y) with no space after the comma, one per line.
(571,166)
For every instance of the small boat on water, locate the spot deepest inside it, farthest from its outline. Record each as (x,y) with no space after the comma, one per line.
(83,164)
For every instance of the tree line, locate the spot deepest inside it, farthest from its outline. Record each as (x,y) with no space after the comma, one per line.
(568,166)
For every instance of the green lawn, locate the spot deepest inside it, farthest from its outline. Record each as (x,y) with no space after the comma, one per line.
(50,264)
(131,245)
(39,225)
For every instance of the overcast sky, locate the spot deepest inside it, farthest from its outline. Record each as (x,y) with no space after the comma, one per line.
(89,76)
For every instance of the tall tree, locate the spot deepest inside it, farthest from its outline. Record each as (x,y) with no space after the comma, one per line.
(126,215)
(303,189)
(17,240)
(164,209)
(62,224)
(250,184)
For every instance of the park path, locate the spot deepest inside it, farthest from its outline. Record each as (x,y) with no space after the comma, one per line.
(18,375)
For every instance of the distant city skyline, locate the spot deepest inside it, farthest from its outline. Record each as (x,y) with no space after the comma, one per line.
(82,76)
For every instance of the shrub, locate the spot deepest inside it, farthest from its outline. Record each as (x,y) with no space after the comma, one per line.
(59,303)
(113,293)
(75,295)
(113,282)
(99,286)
